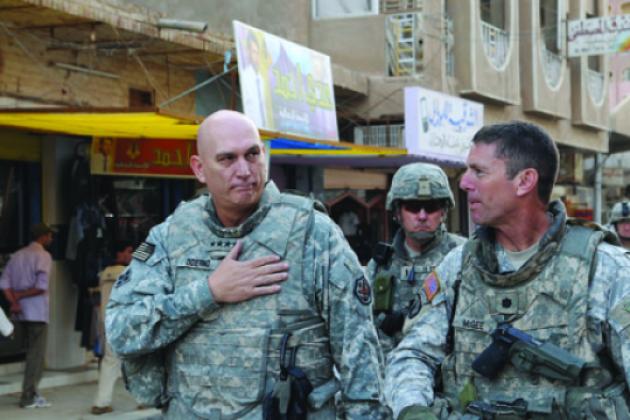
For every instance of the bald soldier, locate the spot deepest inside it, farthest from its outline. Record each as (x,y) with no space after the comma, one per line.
(242,302)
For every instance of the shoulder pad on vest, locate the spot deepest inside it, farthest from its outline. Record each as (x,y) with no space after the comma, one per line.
(303,201)
(582,232)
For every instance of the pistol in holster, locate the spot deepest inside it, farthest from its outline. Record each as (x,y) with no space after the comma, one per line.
(289,398)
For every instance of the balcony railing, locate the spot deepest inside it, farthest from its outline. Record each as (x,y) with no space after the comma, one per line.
(381,135)
(595,81)
(397,6)
(552,67)
(496,43)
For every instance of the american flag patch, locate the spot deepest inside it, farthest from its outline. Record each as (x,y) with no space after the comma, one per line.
(431,286)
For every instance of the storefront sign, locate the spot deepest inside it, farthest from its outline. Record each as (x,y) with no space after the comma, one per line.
(597,36)
(284,86)
(440,126)
(141,157)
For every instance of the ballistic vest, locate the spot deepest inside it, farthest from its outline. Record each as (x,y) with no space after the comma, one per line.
(224,365)
(396,282)
(548,299)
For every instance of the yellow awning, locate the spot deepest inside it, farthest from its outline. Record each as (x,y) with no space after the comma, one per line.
(158,124)
(103,123)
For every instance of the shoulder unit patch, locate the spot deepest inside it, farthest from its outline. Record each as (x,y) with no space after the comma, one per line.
(363,291)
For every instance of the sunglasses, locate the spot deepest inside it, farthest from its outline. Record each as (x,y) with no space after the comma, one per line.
(417,206)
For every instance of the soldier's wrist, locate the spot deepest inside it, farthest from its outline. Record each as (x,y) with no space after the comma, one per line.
(417,412)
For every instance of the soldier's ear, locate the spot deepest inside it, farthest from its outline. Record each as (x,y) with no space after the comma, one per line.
(196,164)
(526,181)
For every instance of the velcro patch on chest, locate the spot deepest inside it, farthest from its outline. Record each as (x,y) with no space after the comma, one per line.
(431,286)
(144,251)
(363,291)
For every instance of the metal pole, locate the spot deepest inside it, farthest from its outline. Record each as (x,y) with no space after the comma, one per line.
(194,88)
(597,199)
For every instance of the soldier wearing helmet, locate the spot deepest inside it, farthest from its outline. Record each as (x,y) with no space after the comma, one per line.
(620,220)
(419,198)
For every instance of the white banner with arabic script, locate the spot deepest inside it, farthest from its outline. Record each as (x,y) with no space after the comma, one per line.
(596,36)
(440,126)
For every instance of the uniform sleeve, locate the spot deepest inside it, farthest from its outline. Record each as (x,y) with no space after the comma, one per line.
(411,367)
(611,289)
(345,299)
(145,311)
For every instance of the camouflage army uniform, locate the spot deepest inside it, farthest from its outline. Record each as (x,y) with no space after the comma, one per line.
(222,359)
(574,292)
(397,276)
(403,275)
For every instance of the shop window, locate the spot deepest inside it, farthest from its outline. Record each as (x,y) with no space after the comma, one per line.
(626,75)
(329,9)
(139,98)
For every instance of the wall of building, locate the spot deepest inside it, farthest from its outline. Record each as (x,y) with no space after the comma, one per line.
(357,43)
(27,72)
(287,19)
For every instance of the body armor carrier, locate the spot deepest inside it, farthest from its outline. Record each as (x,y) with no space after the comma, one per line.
(548,299)
(225,364)
(398,278)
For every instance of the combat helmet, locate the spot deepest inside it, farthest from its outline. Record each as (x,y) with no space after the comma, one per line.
(620,212)
(419,181)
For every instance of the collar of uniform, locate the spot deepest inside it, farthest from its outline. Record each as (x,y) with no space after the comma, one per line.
(485,256)
(269,195)
(274,230)
(399,243)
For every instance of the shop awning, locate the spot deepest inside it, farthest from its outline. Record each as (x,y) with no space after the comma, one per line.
(156,123)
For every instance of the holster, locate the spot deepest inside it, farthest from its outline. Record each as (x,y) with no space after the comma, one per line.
(289,398)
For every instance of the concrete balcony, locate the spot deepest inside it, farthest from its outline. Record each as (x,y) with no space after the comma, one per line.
(545,76)
(496,44)
(486,70)
(589,87)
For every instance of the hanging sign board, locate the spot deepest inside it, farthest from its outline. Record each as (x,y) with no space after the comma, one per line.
(440,126)
(595,36)
(284,86)
(142,157)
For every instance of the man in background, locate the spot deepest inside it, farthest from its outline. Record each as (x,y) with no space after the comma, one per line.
(420,198)
(110,365)
(619,221)
(24,282)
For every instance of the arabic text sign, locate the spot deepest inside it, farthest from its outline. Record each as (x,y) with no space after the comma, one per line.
(438,125)
(142,157)
(284,86)
(599,35)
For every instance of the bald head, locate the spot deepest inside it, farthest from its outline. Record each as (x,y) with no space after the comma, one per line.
(223,124)
(231,162)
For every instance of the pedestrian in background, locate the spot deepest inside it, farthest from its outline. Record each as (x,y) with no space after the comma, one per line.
(110,365)
(25,282)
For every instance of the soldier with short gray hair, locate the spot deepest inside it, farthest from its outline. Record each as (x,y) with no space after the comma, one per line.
(419,198)
(530,318)
(243,301)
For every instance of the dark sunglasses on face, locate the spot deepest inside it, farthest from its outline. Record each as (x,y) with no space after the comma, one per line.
(417,206)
